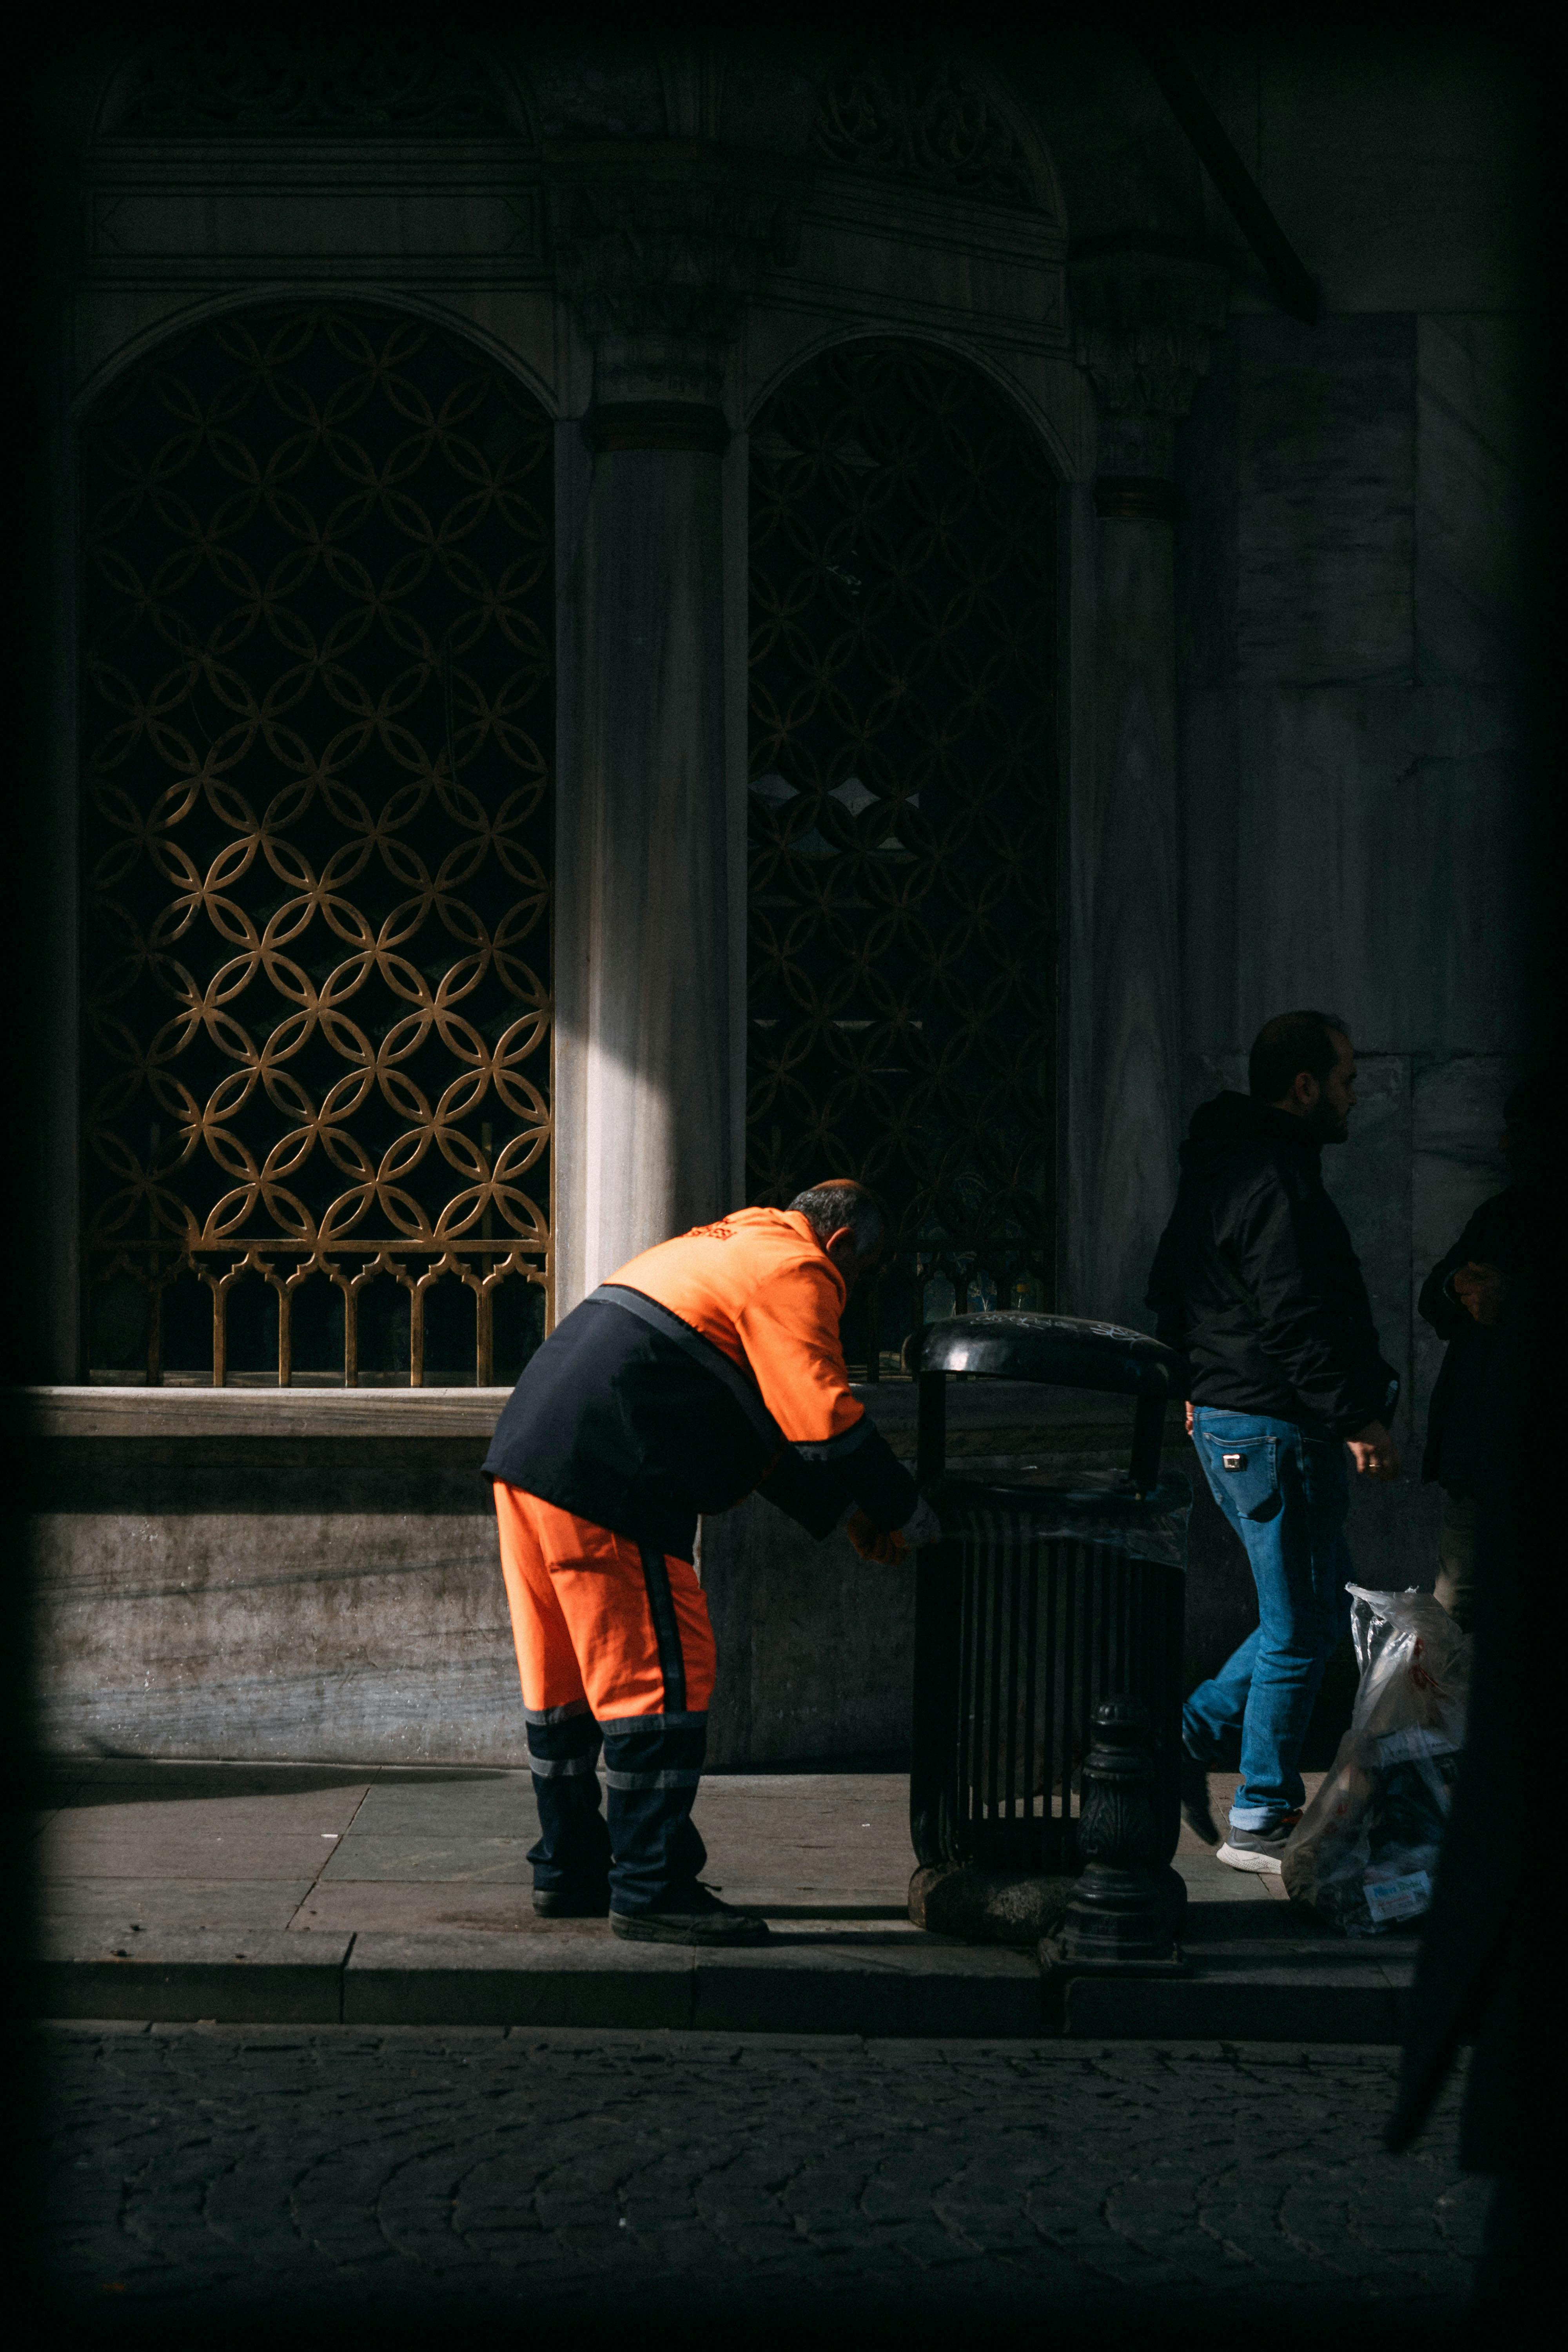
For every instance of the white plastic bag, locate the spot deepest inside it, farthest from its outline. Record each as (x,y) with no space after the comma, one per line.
(1365,1852)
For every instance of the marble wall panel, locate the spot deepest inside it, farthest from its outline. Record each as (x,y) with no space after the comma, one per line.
(288,1624)
(1452,895)
(1378,865)
(1209,754)
(1311,790)
(1206,540)
(1325,522)
(1471,419)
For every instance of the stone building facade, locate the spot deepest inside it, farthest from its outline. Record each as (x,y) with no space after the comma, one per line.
(631,624)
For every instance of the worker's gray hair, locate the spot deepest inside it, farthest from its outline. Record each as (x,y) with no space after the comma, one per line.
(840,1201)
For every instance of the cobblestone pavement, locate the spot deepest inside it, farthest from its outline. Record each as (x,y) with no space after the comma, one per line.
(225,2169)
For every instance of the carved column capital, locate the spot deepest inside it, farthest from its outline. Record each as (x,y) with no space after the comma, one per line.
(659,245)
(1144,322)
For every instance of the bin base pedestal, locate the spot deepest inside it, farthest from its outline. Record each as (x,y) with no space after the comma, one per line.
(1058,1968)
(1145,1908)
(988,1906)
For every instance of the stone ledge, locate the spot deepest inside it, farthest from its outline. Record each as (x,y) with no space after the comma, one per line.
(923,1992)
(1015,1414)
(585,1980)
(176,1976)
(501,1979)
(181,1412)
(1241,2003)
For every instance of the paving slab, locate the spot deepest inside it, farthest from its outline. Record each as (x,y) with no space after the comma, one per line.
(499,1805)
(176,1853)
(416,1860)
(437,1906)
(186,1902)
(401,1895)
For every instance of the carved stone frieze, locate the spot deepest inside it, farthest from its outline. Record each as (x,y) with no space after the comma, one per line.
(1144,326)
(666,238)
(196,84)
(924,119)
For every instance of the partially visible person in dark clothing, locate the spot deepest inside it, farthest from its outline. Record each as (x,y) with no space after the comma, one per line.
(1463,1299)
(1255,1282)
(1483,1967)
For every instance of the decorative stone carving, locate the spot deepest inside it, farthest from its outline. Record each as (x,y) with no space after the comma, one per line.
(924,120)
(1143,325)
(667,237)
(389,82)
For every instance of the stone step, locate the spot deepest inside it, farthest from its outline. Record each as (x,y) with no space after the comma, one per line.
(905,1988)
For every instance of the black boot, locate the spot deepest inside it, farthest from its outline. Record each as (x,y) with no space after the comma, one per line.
(690,1915)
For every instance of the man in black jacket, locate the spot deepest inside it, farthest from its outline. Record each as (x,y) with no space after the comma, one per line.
(1463,1300)
(1256,1282)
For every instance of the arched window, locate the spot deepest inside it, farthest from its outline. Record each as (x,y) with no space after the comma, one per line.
(316,861)
(902,824)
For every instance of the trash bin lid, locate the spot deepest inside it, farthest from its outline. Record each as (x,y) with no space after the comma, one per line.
(1062,1351)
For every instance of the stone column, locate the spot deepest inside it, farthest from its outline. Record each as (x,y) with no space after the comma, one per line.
(656,247)
(1143,324)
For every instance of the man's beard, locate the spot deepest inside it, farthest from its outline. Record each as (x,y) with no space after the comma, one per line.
(1327,1124)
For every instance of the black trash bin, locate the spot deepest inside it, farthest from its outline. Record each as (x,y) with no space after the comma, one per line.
(1043,1601)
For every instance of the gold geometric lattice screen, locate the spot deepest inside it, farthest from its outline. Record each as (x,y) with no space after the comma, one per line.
(903,935)
(317,853)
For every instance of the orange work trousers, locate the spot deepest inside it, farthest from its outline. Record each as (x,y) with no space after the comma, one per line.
(602,1626)
(616,1651)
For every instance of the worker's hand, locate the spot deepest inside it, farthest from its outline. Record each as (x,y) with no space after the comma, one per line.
(1481,1290)
(1373,1452)
(922,1527)
(872,1542)
(893,1548)
(1189,1416)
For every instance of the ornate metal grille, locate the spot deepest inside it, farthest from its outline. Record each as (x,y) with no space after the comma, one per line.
(316,849)
(902,804)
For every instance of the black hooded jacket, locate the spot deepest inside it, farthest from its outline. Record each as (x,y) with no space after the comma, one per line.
(1457,1445)
(1255,1282)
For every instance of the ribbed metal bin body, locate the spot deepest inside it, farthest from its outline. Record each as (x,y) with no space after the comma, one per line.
(1024,1622)
(1041,1602)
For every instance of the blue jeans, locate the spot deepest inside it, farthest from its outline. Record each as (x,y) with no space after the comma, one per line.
(1287,1496)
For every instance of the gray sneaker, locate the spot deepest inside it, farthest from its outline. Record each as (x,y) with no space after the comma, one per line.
(1258,1849)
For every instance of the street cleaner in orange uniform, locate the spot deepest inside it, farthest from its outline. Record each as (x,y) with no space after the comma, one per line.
(709,1367)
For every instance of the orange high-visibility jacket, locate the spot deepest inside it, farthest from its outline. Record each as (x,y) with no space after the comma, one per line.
(706,1366)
